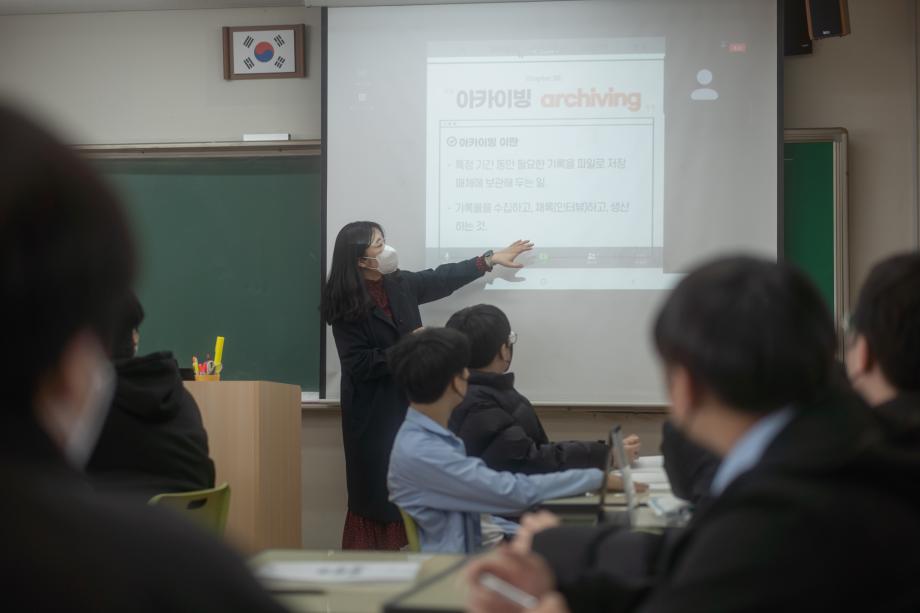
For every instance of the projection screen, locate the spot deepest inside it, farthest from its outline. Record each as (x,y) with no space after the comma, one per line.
(627,139)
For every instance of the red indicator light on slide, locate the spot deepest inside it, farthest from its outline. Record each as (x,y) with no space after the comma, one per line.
(737,47)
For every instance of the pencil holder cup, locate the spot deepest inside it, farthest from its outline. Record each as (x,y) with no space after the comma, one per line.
(207,377)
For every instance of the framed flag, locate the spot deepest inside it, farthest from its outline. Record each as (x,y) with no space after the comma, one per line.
(264,52)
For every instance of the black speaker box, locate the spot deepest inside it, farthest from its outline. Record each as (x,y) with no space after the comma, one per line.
(796,40)
(827,18)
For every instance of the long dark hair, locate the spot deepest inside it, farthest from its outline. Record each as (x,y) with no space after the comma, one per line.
(345,298)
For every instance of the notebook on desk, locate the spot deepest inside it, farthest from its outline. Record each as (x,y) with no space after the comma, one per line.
(445,592)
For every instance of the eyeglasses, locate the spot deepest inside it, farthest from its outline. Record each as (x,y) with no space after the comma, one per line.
(512,338)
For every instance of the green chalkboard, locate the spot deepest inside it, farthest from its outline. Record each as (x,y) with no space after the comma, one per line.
(229,247)
(808,215)
(814,210)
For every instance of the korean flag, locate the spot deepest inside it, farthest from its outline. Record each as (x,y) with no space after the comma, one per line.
(263,52)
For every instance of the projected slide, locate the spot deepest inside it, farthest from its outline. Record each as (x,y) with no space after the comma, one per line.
(630,140)
(561,142)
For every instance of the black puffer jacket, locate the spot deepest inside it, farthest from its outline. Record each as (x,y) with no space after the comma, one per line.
(500,426)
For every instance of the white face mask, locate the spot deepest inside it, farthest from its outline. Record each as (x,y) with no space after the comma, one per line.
(387,260)
(83,434)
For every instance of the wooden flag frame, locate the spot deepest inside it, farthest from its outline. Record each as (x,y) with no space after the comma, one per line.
(300,61)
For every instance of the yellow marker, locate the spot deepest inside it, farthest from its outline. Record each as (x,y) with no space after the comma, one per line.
(195,364)
(219,350)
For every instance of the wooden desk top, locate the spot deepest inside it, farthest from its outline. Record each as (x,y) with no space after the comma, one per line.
(351,598)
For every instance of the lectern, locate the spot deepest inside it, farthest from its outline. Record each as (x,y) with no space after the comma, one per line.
(254,437)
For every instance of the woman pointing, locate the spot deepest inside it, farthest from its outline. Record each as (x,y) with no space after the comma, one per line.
(370,305)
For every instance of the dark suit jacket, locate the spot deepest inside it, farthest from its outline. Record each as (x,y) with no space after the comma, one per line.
(373,406)
(153,440)
(68,548)
(500,426)
(828,520)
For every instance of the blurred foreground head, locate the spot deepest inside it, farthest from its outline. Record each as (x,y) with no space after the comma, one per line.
(744,334)
(67,262)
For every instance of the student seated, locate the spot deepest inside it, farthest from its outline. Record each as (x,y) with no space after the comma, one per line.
(882,361)
(430,476)
(883,340)
(811,493)
(495,421)
(153,440)
(66,264)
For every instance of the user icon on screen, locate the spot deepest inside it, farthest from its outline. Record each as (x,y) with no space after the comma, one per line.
(704,77)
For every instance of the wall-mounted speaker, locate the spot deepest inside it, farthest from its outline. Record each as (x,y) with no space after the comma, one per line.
(796,40)
(827,18)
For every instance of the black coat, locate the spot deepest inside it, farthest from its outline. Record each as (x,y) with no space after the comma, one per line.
(500,426)
(373,406)
(69,548)
(829,520)
(153,440)
(901,415)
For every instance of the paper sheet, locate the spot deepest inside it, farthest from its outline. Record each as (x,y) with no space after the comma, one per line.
(340,572)
(667,505)
(650,476)
(649,461)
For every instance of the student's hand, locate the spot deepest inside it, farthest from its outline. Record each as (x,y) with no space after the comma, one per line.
(615,484)
(528,572)
(531,524)
(631,445)
(506,257)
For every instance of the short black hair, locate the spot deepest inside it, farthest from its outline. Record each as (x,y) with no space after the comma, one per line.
(755,333)
(487,328)
(888,314)
(67,258)
(424,363)
(130,317)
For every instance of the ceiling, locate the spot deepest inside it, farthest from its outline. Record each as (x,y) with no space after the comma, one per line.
(26,7)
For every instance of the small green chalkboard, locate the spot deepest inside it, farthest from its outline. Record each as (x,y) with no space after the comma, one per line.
(814,210)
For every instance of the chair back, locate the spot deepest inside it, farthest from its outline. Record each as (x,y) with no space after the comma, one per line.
(208,508)
(411,532)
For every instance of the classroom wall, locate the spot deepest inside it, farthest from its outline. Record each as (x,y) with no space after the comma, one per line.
(157,77)
(153,77)
(867,83)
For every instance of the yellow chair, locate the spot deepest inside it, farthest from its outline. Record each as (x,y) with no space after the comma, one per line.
(207,508)
(411,532)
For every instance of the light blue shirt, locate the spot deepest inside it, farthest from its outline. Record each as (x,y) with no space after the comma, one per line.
(445,491)
(750,448)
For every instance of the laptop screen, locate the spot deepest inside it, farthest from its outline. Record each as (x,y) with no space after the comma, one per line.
(619,452)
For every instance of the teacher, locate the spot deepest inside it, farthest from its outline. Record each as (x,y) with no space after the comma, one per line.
(370,305)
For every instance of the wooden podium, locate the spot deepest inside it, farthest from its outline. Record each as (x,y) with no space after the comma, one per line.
(254,438)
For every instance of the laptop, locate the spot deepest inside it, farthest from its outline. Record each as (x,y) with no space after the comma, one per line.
(591,509)
(621,517)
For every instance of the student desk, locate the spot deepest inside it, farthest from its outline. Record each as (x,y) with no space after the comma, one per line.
(645,518)
(363,597)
